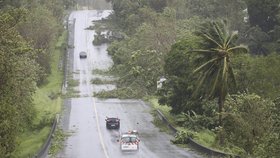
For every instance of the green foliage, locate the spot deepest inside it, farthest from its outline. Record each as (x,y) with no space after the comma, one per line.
(162,32)
(18,70)
(248,118)
(212,9)
(57,142)
(101,81)
(97,81)
(258,74)
(55,7)
(177,90)
(217,48)
(206,138)
(72,83)
(99,39)
(186,27)
(124,9)
(182,136)
(121,93)
(268,145)
(144,69)
(32,137)
(262,35)
(139,59)
(216,75)
(26,36)
(258,41)
(101,72)
(206,118)
(36,20)
(196,122)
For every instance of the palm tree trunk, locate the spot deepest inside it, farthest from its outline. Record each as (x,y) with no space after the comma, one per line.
(221,104)
(221,132)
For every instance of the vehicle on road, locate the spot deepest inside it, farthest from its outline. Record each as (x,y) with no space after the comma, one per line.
(83,54)
(129,142)
(112,123)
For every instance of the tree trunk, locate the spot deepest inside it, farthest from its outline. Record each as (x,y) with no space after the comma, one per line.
(221,104)
(221,132)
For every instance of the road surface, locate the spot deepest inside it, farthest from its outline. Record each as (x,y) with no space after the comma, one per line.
(84,117)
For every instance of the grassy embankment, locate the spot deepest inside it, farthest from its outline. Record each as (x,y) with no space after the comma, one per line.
(204,137)
(48,101)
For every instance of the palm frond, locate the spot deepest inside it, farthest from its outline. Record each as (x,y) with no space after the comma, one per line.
(212,40)
(201,79)
(220,33)
(204,65)
(202,51)
(239,49)
(224,71)
(224,76)
(229,40)
(218,50)
(215,81)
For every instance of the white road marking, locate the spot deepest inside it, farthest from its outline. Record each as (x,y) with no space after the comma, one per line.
(99,131)
(94,106)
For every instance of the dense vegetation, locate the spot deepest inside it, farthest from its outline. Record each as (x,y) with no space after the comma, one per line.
(220,59)
(28,32)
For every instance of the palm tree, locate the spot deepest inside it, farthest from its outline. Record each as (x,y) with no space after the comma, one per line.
(215,70)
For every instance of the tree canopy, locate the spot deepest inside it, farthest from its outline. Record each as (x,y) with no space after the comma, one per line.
(168,30)
(18,71)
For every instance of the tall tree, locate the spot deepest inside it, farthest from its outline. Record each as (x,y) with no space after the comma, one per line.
(37,19)
(215,71)
(18,70)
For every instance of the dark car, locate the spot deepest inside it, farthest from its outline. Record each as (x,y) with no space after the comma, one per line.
(83,55)
(112,123)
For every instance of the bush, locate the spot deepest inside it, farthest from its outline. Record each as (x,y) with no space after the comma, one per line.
(196,122)
(181,137)
(247,120)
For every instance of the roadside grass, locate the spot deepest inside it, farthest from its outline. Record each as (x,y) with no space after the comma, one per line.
(57,141)
(31,142)
(163,108)
(204,137)
(158,123)
(47,101)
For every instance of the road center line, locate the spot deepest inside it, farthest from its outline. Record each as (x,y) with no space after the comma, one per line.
(94,105)
(99,131)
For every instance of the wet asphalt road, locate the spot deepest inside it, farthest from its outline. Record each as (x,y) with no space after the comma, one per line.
(84,117)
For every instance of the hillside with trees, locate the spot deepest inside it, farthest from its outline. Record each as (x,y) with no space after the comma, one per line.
(221,62)
(28,33)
